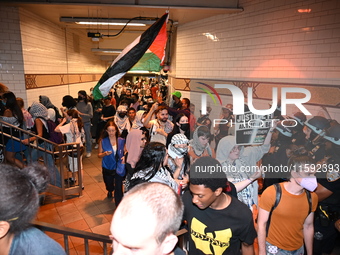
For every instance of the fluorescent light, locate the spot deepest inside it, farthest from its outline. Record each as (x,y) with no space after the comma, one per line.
(113,51)
(109,23)
(140,72)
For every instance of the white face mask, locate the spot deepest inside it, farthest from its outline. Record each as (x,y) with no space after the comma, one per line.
(309,183)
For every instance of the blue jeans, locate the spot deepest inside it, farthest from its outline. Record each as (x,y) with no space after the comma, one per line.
(274,250)
(32,155)
(88,136)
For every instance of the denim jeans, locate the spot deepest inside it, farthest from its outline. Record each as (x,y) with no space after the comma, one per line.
(88,136)
(32,155)
(274,250)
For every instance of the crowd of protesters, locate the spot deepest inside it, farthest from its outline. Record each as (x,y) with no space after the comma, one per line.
(142,135)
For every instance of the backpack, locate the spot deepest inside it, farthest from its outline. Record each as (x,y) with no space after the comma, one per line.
(277,201)
(54,136)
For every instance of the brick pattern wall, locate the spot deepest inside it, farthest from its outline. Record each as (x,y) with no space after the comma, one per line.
(269,41)
(11,61)
(50,49)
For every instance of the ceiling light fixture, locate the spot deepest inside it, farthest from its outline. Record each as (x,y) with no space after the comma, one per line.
(110,22)
(112,51)
(141,72)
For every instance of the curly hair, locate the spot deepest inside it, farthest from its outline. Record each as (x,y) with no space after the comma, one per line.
(69,102)
(212,180)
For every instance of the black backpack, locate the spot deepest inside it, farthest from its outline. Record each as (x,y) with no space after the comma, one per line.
(277,201)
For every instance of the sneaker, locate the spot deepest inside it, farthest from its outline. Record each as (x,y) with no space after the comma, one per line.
(96,146)
(88,154)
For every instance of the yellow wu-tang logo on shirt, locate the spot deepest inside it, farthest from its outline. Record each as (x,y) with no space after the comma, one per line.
(217,240)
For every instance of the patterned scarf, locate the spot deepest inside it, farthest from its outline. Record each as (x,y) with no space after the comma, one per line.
(197,146)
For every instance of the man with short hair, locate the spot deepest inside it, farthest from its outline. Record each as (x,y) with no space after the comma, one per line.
(126,97)
(218,223)
(131,113)
(159,127)
(146,221)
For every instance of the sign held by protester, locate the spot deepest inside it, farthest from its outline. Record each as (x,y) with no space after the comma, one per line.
(252,129)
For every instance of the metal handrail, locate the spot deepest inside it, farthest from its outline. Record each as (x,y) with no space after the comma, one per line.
(66,232)
(50,151)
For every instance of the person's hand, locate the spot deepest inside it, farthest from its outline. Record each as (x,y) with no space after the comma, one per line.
(184,182)
(155,106)
(26,141)
(256,175)
(160,131)
(179,161)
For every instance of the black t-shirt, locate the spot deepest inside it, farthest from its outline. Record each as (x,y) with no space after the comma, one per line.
(108,111)
(218,232)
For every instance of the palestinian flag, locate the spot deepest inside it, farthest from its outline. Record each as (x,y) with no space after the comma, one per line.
(151,44)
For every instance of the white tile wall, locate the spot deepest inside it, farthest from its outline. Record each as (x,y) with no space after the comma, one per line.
(269,41)
(50,49)
(11,61)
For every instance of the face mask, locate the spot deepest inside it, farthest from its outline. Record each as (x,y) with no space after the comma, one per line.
(3,102)
(185,126)
(179,151)
(122,115)
(309,183)
(80,98)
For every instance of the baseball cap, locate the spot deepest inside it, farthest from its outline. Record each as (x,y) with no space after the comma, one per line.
(177,94)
